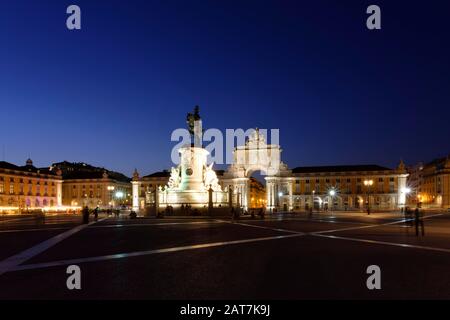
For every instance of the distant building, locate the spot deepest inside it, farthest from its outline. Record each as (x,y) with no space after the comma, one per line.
(86,185)
(433,183)
(147,186)
(27,187)
(348,187)
(257,194)
(414,183)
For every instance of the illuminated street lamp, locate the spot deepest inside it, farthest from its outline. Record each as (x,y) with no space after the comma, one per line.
(280,194)
(368,184)
(119,194)
(419,200)
(406,190)
(110,189)
(332,193)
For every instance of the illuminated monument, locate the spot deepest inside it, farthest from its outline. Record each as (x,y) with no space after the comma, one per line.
(193,182)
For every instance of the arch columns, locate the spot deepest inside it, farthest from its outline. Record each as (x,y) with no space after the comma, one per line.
(241,187)
(135,188)
(58,193)
(290,191)
(271,193)
(135,195)
(401,190)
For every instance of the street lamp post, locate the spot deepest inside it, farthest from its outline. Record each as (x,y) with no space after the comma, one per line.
(280,194)
(110,189)
(406,191)
(312,201)
(120,195)
(368,184)
(332,193)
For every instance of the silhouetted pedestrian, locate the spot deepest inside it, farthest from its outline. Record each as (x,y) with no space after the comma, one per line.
(85,213)
(261,213)
(418,221)
(96,214)
(40,216)
(408,217)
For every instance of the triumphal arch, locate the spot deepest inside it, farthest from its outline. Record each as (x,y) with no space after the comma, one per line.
(257,155)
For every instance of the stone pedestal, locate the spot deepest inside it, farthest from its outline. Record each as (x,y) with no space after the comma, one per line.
(192,161)
(193,187)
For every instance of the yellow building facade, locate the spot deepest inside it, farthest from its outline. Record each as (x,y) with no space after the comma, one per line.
(257,194)
(348,188)
(25,188)
(85,185)
(434,184)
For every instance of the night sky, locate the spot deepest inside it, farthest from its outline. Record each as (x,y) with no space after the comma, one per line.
(112,93)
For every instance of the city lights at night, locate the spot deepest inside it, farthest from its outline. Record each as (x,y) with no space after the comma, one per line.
(232,159)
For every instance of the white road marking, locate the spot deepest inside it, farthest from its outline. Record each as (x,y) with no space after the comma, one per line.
(394,244)
(260,227)
(373,225)
(153,224)
(30,230)
(145,253)
(17,219)
(13,261)
(303,219)
(46,223)
(360,227)
(17,267)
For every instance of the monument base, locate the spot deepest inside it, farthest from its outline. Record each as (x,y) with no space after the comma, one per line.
(192,198)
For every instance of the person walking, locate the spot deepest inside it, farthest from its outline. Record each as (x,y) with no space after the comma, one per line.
(418,221)
(85,214)
(96,214)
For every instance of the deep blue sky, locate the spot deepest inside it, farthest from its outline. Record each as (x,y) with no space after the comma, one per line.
(112,93)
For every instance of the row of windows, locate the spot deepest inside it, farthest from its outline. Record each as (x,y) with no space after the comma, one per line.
(359,190)
(92,193)
(27,202)
(22,181)
(338,180)
(84,187)
(98,186)
(21,190)
(85,195)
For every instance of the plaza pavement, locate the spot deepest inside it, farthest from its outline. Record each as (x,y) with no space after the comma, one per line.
(284,256)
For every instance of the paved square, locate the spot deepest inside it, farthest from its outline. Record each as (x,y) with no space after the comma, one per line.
(281,257)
